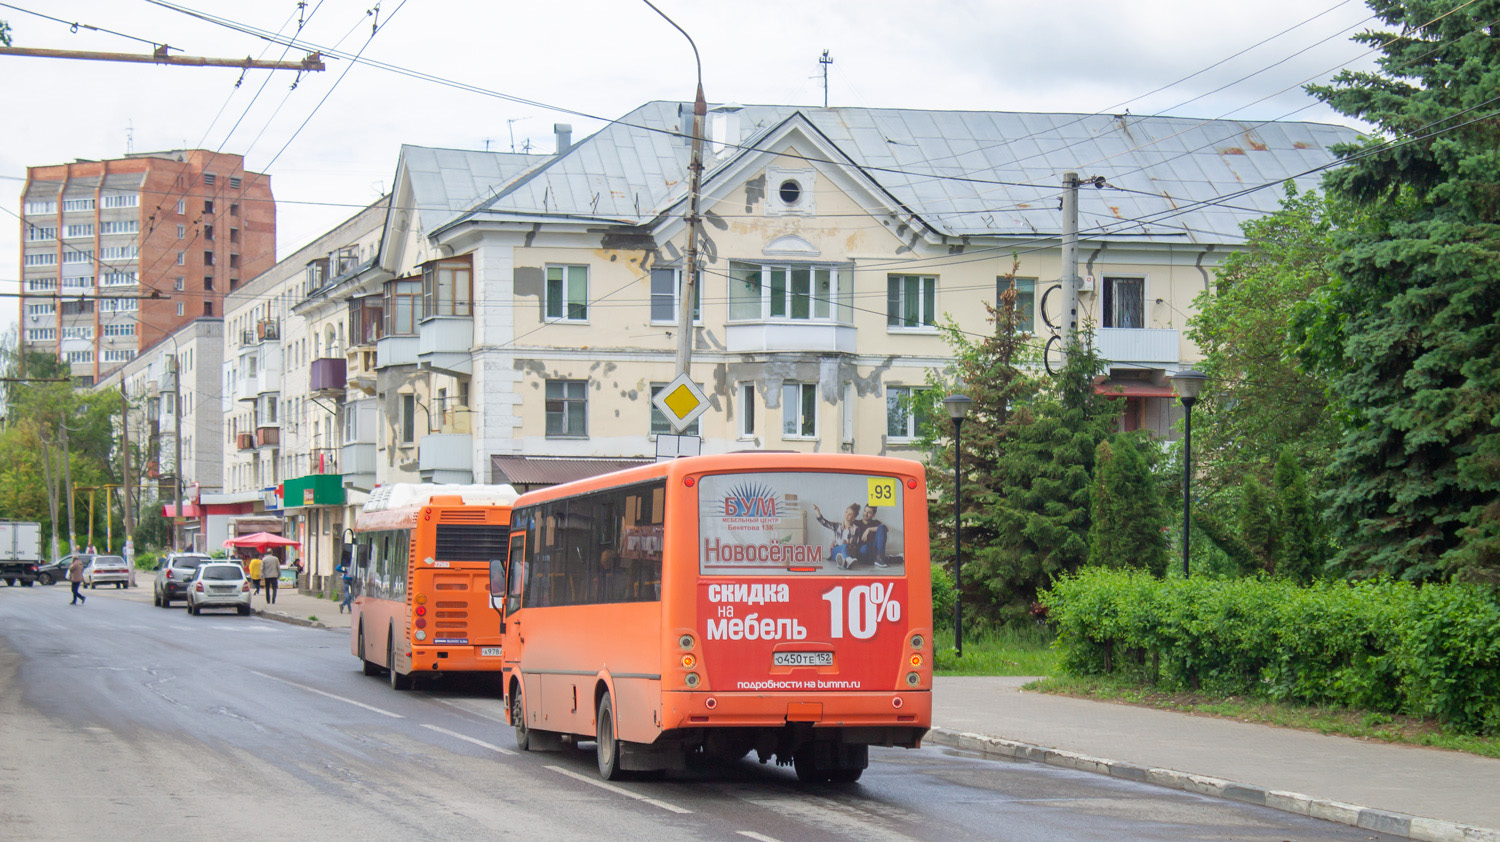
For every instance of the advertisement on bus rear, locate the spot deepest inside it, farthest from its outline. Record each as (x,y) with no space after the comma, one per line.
(802,582)
(800,523)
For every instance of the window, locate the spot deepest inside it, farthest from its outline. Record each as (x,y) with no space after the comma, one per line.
(660,426)
(910,301)
(448,288)
(567,408)
(84,230)
(208,308)
(118,355)
(41,284)
(799,410)
(48,309)
(747,410)
(41,207)
(208,283)
(666,289)
(602,547)
(1025,303)
(120,226)
(46,334)
(46,258)
(78,332)
(234,235)
(35,234)
(120,279)
(119,253)
(904,416)
(791,291)
(234,261)
(1124,302)
(179,308)
(78,282)
(122,329)
(234,184)
(401,306)
(178,283)
(208,232)
(181,258)
(181,206)
(78,257)
(567,293)
(80,356)
(122,200)
(209,179)
(234,209)
(408,418)
(208,258)
(208,205)
(78,204)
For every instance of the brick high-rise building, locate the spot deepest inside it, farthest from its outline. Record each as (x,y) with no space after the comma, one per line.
(185,225)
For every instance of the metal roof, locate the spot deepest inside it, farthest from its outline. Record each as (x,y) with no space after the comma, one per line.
(532,470)
(1175,179)
(448,181)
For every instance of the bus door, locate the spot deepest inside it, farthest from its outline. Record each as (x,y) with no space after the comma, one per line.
(512,585)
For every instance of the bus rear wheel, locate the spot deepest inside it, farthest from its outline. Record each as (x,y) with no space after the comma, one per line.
(607,747)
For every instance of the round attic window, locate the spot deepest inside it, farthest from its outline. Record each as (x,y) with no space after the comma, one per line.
(790,192)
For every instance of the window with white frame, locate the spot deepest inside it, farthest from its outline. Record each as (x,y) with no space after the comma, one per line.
(911,301)
(78,204)
(567,293)
(121,329)
(121,279)
(660,426)
(119,253)
(78,332)
(47,309)
(85,229)
(1025,301)
(41,284)
(181,231)
(904,414)
(1124,302)
(80,356)
(122,200)
(408,419)
(78,257)
(41,258)
(181,206)
(804,292)
(666,291)
(567,408)
(41,207)
(78,282)
(799,410)
(36,234)
(747,410)
(178,283)
(179,308)
(181,258)
(118,355)
(120,226)
(42,334)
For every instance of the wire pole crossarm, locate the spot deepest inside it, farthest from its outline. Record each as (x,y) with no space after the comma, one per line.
(312,62)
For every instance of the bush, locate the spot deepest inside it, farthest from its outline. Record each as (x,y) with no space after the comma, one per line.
(943,598)
(145,561)
(1383,646)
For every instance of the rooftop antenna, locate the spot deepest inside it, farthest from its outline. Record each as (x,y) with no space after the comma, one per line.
(825,60)
(510,125)
(487,142)
(129,136)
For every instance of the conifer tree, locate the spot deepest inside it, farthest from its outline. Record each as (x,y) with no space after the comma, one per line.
(1408,333)
(1126,528)
(1299,548)
(1257,516)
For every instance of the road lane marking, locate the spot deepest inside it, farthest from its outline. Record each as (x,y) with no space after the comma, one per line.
(329,695)
(457,736)
(619,790)
(757,836)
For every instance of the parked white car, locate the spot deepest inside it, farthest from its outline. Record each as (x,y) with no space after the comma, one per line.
(218,585)
(106,570)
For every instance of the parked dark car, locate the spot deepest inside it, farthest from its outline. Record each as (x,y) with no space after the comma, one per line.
(57,571)
(172,576)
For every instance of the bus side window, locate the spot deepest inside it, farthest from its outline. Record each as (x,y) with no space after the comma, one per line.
(515,573)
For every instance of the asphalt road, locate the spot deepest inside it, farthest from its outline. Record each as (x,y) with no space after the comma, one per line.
(121,722)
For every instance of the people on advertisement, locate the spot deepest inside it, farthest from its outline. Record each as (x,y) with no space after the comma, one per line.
(844,534)
(871,540)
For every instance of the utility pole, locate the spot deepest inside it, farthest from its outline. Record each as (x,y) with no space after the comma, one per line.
(126,484)
(690,277)
(312,62)
(825,60)
(68,488)
(177,518)
(1070,261)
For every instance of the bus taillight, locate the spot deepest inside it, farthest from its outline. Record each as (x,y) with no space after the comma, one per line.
(686,641)
(689,661)
(916,660)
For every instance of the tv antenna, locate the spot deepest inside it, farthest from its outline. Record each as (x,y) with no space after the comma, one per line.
(825,60)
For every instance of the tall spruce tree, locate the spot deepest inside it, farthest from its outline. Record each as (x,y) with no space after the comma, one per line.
(1409,331)
(1300,550)
(1127,522)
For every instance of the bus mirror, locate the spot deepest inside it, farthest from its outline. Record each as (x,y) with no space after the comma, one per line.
(346,556)
(362,556)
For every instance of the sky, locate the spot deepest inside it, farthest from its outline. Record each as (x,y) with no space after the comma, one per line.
(330,143)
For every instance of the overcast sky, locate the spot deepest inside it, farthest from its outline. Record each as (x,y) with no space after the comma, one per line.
(605,57)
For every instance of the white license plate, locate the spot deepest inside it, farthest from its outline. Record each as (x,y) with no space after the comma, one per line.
(802,659)
(489,651)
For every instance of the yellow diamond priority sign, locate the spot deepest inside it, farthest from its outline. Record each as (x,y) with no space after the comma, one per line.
(681,401)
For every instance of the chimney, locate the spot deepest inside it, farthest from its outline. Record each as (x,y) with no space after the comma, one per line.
(724,126)
(564,132)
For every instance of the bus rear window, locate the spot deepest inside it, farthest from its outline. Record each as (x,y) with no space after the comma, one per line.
(801,523)
(470,543)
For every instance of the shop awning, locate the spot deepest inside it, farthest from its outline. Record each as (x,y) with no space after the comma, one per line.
(525,471)
(188,509)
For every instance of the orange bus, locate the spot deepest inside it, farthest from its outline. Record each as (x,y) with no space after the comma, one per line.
(421,556)
(716,605)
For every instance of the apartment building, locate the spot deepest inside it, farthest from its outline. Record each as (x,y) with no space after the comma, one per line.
(118,254)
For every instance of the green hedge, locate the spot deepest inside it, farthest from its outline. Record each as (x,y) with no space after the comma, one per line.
(1391,647)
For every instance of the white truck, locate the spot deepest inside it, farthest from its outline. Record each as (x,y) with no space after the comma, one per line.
(20,551)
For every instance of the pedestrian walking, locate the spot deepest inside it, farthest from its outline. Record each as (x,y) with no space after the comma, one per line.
(255,573)
(75,576)
(347,571)
(270,571)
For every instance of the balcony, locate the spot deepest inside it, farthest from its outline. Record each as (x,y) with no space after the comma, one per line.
(266,330)
(247,389)
(358,462)
(245,441)
(396,350)
(269,380)
(267,437)
(360,372)
(247,337)
(446,457)
(444,343)
(1123,345)
(328,375)
(322,461)
(773,337)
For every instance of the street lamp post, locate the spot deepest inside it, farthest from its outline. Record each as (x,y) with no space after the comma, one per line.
(1189,385)
(958,409)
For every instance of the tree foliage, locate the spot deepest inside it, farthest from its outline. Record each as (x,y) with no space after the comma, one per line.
(1408,332)
(1128,518)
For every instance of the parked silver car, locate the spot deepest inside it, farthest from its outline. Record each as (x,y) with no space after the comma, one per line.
(106,570)
(218,584)
(173,574)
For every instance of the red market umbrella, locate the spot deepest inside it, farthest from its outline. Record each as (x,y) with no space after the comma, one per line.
(261,540)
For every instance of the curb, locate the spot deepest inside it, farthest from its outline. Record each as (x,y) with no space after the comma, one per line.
(1367,818)
(287,618)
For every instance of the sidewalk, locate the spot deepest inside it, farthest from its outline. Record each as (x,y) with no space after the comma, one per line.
(1408,791)
(293,607)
